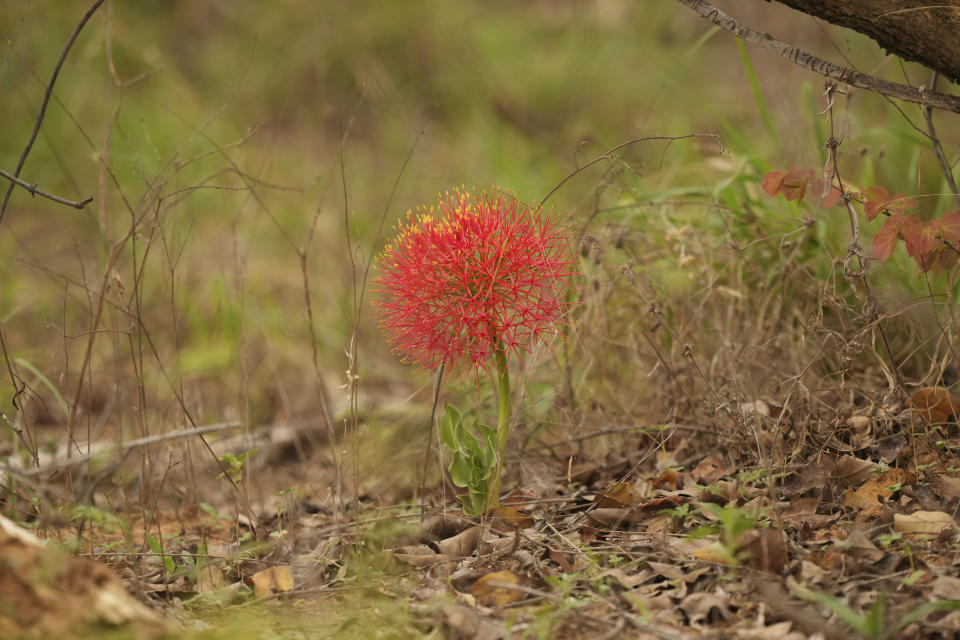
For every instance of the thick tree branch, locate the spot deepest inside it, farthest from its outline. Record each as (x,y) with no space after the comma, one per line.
(916,30)
(821,66)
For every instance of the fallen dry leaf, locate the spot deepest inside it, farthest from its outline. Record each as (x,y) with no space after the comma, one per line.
(494,588)
(946,588)
(618,494)
(461,544)
(812,573)
(713,552)
(857,545)
(613,518)
(768,551)
(878,489)
(777,631)
(682,572)
(670,476)
(655,505)
(507,517)
(561,559)
(470,624)
(803,511)
(712,468)
(946,487)
(700,606)
(271,581)
(827,560)
(629,581)
(846,467)
(874,515)
(210,579)
(935,404)
(923,525)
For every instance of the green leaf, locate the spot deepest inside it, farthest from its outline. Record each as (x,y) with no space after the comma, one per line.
(461,471)
(155,547)
(472,459)
(449,426)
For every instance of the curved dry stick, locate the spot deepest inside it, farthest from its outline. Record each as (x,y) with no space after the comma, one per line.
(608,155)
(46,100)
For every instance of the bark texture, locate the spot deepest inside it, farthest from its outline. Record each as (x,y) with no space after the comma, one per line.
(918,30)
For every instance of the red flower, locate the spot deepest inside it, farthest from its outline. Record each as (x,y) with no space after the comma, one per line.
(482,273)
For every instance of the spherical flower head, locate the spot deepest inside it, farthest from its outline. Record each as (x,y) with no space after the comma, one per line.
(479,274)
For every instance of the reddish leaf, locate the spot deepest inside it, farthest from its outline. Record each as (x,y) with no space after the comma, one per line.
(878,200)
(873,199)
(772,182)
(830,197)
(885,239)
(919,237)
(949,226)
(900,202)
(794,184)
(942,258)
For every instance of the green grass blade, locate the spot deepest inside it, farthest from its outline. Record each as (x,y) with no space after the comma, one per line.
(757,93)
(702,40)
(46,382)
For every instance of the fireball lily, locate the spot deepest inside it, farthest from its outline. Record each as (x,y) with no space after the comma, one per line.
(474,283)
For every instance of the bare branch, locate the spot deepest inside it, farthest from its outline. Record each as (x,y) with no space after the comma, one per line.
(46,100)
(23,441)
(819,65)
(56,465)
(37,191)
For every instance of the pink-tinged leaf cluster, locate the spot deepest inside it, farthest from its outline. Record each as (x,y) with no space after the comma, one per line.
(480,272)
(795,183)
(877,200)
(932,244)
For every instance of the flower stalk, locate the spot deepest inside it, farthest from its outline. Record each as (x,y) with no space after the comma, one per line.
(502,383)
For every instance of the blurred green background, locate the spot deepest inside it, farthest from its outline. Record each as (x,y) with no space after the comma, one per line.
(227,130)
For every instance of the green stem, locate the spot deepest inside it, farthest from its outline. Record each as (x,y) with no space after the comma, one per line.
(502,380)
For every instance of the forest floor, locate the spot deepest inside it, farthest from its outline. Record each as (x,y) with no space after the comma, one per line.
(666,537)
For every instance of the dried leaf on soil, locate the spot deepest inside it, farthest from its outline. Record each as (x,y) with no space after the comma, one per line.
(935,404)
(620,494)
(271,581)
(494,588)
(508,517)
(768,551)
(923,525)
(712,468)
(879,489)
(461,544)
